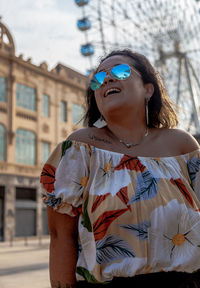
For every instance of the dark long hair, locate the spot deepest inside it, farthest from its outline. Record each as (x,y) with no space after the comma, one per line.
(161,111)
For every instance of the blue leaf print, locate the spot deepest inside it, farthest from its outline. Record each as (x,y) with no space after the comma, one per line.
(139,230)
(79,249)
(112,248)
(93,150)
(52,200)
(146,187)
(193,167)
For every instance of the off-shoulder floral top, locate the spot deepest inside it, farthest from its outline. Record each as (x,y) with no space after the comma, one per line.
(137,214)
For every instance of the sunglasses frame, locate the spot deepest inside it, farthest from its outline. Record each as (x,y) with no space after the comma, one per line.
(109,70)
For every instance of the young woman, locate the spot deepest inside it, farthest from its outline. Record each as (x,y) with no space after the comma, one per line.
(123,194)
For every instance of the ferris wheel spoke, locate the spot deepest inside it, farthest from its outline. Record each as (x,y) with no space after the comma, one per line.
(162,30)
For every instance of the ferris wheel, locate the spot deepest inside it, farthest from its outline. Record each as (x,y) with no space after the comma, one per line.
(167,32)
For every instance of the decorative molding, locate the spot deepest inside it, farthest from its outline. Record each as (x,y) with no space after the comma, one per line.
(16,169)
(26,116)
(3,109)
(44,66)
(7,46)
(45,128)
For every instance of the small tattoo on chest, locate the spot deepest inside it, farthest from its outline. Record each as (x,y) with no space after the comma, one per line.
(93,137)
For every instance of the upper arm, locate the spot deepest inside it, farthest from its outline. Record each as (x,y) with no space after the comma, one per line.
(61,225)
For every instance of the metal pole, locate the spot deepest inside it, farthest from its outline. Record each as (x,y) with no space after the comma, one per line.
(198,83)
(194,74)
(113,22)
(193,97)
(179,80)
(190,122)
(101,26)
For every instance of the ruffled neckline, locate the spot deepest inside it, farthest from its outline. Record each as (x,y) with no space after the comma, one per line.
(187,155)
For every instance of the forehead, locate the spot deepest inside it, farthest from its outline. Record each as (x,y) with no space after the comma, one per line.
(114,60)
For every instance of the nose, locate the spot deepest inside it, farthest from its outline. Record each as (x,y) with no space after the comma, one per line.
(108,79)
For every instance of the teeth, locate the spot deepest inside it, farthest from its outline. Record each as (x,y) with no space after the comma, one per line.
(112,90)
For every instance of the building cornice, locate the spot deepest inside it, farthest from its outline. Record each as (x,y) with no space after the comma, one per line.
(62,79)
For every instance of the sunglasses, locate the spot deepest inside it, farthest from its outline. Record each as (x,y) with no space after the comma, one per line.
(119,72)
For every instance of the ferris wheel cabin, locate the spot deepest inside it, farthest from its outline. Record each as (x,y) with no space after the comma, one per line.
(81,2)
(87,49)
(84,24)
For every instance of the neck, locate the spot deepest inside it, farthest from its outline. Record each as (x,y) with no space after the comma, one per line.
(132,132)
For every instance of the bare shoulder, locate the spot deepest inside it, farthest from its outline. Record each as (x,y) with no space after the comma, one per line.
(182,139)
(89,135)
(79,135)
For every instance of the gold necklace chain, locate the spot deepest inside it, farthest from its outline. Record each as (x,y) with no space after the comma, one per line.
(129,145)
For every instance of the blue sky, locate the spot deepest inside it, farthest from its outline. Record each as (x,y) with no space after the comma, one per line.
(45,30)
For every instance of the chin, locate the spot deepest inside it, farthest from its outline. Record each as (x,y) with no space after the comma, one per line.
(114,109)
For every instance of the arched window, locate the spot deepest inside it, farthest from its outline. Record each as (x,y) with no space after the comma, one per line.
(25,147)
(2,143)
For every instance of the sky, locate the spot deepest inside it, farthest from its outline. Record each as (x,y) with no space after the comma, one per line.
(45,30)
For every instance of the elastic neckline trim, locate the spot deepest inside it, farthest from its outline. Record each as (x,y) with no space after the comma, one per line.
(138,156)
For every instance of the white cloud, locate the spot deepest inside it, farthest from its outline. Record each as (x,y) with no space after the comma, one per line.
(45,31)
(44,4)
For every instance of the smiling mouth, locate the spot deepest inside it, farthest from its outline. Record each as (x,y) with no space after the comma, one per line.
(112,91)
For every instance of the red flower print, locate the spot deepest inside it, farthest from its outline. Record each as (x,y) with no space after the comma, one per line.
(47,177)
(179,183)
(103,222)
(99,199)
(131,163)
(76,210)
(123,196)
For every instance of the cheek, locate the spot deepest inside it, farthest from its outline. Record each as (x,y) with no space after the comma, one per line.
(137,90)
(98,99)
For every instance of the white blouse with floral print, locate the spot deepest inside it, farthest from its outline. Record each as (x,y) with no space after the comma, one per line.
(137,214)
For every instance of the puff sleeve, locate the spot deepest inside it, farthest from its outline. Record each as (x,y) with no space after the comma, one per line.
(65,176)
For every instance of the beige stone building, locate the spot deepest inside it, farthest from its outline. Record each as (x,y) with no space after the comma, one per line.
(38,109)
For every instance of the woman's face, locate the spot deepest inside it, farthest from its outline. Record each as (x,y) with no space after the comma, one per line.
(131,91)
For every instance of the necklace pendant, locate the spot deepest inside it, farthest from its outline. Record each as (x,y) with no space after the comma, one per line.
(128,145)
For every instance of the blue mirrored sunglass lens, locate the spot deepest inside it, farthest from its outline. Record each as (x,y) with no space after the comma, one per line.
(121,72)
(97,80)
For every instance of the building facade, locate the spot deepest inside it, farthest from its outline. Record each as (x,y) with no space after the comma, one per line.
(38,109)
